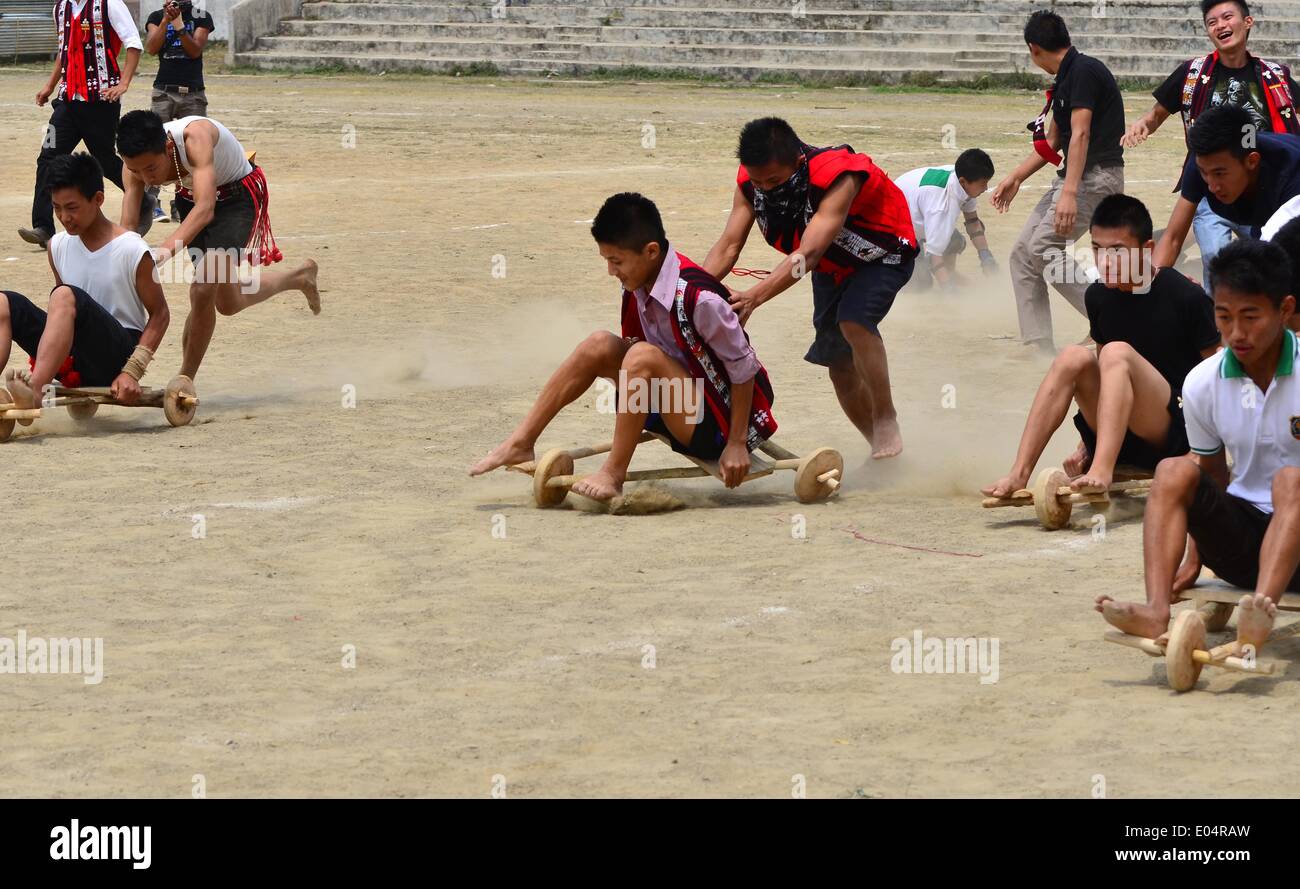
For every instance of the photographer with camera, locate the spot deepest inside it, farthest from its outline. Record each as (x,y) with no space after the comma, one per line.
(178,34)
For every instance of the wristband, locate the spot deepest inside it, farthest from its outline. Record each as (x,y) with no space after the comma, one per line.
(137,363)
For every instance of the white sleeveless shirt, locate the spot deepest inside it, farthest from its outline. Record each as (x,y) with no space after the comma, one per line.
(107,274)
(228,159)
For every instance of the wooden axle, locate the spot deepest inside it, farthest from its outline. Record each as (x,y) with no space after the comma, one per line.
(1215,657)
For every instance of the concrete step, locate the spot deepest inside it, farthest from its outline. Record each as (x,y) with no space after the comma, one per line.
(375,64)
(872,18)
(1134,42)
(1069,9)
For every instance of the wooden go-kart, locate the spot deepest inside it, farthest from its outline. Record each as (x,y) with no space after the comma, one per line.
(1053,499)
(1184,648)
(179,402)
(816,476)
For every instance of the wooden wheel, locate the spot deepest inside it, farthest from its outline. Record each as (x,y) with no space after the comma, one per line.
(553,463)
(1187,636)
(180,401)
(806,486)
(1053,512)
(82,411)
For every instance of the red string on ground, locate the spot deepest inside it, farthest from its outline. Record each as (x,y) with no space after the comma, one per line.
(923,549)
(751,273)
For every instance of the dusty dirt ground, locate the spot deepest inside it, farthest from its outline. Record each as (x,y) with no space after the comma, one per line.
(524,657)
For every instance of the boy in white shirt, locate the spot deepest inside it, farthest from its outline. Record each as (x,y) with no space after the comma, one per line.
(107,314)
(936,195)
(1245,398)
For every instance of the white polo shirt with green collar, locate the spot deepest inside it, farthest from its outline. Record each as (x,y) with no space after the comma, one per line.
(1223,406)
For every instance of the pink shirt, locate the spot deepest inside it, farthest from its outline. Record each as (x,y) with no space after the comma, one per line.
(714,319)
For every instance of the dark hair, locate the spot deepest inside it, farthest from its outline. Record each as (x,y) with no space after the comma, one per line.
(973,165)
(1222,128)
(1288,239)
(1123,211)
(1259,268)
(140,132)
(79,171)
(1047,29)
(630,221)
(768,139)
(1207,5)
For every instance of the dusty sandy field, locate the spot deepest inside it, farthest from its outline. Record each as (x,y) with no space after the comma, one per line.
(525,657)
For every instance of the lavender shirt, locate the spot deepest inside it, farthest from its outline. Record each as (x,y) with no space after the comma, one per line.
(714,319)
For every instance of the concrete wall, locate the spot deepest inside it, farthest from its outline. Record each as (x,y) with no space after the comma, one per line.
(218,9)
(251,19)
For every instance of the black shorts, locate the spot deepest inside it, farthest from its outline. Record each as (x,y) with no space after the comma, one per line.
(230,228)
(100,344)
(1229,532)
(864,297)
(1136,451)
(707,441)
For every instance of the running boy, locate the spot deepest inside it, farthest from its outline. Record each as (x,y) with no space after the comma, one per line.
(833,212)
(224,218)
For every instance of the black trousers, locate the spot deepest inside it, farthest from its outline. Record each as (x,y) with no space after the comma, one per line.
(94,123)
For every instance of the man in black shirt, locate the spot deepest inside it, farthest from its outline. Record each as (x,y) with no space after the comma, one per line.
(178,34)
(1086,122)
(1228,76)
(1150,331)
(1245,176)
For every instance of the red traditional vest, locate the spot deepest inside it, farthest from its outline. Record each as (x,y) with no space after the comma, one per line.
(879,224)
(701,361)
(88,49)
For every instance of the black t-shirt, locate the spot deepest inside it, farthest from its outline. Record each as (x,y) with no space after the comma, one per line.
(1279,182)
(174,66)
(1169,325)
(1084,82)
(1231,86)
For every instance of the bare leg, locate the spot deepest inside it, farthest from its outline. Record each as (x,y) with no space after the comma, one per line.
(1073,374)
(1164,540)
(648,365)
(873,366)
(199,325)
(51,352)
(854,396)
(1133,396)
(233,297)
(599,355)
(6,331)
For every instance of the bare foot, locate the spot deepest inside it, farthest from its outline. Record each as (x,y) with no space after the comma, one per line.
(305,278)
(887,440)
(1133,618)
(1093,479)
(508,453)
(1005,486)
(1077,463)
(1254,620)
(602,485)
(18,380)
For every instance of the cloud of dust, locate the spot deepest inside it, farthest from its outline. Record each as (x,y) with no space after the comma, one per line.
(526,344)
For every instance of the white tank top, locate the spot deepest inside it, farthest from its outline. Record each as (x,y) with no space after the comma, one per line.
(108,274)
(228,159)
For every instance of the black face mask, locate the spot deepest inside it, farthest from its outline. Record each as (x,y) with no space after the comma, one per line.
(787,199)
